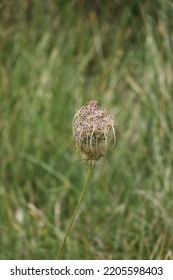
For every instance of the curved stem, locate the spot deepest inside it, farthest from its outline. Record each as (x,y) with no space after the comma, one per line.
(75,211)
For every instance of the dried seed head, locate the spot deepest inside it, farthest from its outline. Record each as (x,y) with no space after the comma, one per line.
(91,130)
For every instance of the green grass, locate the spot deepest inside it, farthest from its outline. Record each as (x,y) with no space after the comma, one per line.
(53,62)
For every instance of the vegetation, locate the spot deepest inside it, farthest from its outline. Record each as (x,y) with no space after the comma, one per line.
(54,57)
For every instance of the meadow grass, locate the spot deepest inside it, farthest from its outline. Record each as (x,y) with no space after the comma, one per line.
(53,59)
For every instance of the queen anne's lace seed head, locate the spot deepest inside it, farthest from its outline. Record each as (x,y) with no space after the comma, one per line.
(91,129)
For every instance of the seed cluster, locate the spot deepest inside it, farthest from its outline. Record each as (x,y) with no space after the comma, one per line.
(91,127)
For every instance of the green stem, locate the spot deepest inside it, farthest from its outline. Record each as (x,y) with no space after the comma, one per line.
(75,211)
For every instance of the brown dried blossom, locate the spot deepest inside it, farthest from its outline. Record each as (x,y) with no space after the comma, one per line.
(92,128)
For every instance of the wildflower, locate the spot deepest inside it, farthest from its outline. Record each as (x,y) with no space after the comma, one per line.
(91,130)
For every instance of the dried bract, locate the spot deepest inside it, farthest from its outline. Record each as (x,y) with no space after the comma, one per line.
(92,129)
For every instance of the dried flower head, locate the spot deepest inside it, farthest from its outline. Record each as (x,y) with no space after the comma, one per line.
(92,128)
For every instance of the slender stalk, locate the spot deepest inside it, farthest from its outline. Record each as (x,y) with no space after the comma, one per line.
(75,211)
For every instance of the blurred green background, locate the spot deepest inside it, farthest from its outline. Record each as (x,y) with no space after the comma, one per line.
(54,57)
